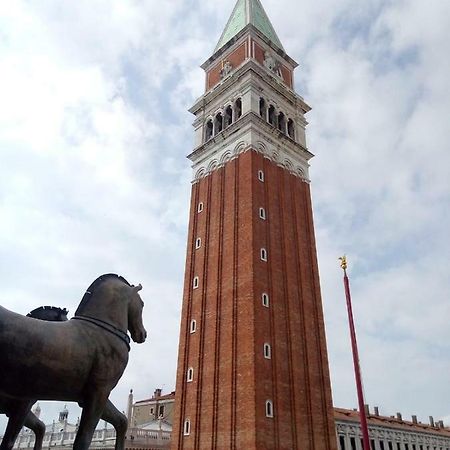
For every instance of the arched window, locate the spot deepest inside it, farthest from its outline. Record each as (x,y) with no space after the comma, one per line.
(193,327)
(262,108)
(272,116)
(291,129)
(282,123)
(218,124)
(228,116)
(198,243)
(187,427)
(209,130)
(265,299)
(269,408)
(261,175)
(267,351)
(263,254)
(200,207)
(262,213)
(190,375)
(195,283)
(238,108)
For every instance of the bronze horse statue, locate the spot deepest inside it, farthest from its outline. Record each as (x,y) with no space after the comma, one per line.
(79,360)
(49,313)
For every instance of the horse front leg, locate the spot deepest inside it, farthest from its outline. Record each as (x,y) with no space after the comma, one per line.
(38,427)
(93,407)
(15,423)
(119,421)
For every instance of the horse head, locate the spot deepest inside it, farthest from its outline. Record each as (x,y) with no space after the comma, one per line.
(135,307)
(111,300)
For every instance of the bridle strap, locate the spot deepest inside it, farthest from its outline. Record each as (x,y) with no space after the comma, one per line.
(108,327)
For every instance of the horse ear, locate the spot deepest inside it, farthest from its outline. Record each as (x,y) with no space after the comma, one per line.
(137,288)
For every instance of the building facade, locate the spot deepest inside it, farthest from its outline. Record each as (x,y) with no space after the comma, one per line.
(252,340)
(390,433)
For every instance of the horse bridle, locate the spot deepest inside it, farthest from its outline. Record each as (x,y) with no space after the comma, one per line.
(122,335)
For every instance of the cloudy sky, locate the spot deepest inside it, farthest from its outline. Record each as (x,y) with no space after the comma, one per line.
(94,130)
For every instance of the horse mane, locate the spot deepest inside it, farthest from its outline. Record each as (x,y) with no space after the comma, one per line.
(44,308)
(92,288)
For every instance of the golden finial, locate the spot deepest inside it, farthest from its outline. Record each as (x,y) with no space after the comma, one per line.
(343,260)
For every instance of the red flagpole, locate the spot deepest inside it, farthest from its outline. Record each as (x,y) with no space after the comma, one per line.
(359,390)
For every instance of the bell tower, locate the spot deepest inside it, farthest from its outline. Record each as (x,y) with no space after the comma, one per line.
(252,366)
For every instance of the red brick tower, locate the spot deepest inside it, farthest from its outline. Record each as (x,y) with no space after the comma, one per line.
(252,366)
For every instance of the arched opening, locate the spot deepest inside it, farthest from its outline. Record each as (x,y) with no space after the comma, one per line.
(262,108)
(209,130)
(267,351)
(291,129)
(272,116)
(218,124)
(265,299)
(228,116)
(282,122)
(269,408)
(262,213)
(263,254)
(187,427)
(195,282)
(198,243)
(238,108)
(190,375)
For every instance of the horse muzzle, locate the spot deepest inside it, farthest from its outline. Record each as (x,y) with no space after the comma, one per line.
(139,337)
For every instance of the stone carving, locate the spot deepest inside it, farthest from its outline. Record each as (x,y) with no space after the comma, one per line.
(271,63)
(227,67)
(78,360)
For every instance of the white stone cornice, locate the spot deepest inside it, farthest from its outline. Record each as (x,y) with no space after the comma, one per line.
(250,133)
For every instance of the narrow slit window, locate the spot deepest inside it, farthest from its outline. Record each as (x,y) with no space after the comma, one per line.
(187,427)
(200,207)
(269,408)
(195,283)
(190,375)
(198,243)
(267,351)
(193,327)
(261,175)
(263,254)
(265,299)
(262,213)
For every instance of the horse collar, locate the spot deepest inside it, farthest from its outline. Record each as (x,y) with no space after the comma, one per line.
(108,327)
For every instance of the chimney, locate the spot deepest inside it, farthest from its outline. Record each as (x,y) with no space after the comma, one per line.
(157,393)
(366,410)
(431,421)
(399,416)
(414,419)
(377,412)
(441,424)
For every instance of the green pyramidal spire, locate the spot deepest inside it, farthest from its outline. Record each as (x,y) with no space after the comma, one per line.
(248,12)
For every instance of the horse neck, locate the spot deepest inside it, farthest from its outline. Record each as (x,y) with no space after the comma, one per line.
(107,310)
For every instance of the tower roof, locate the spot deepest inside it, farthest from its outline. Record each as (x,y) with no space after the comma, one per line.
(244,13)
